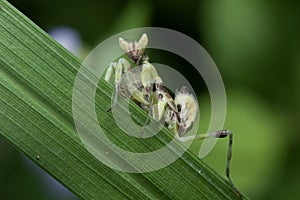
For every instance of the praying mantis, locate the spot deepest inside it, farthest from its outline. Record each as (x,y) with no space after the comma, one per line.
(146,88)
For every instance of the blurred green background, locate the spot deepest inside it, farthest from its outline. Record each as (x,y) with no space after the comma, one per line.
(255,45)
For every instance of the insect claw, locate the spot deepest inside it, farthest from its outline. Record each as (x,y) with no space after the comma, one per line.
(181,130)
(144,126)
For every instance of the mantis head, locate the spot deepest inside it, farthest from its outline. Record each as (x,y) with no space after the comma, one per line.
(134,50)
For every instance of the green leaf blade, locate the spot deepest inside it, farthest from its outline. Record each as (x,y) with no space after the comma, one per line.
(37,78)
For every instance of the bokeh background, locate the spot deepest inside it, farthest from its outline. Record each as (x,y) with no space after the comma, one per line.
(255,45)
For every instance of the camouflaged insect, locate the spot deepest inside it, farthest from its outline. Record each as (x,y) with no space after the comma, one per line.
(145,87)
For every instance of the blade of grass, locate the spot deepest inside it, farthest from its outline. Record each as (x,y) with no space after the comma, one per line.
(37,77)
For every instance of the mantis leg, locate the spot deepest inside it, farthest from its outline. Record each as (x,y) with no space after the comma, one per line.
(119,68)
(149,75)
(110,71)
(156,106)
(217,134)
(151,80)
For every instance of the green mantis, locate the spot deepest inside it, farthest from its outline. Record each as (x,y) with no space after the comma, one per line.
(146,88)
